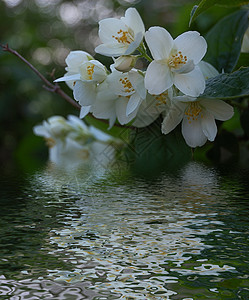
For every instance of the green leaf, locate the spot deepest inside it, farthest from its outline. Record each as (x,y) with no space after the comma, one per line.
(205,4)
(151,151)
(228,86)
(224,41)
(243,60)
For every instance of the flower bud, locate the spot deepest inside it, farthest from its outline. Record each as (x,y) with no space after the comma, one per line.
(125,63)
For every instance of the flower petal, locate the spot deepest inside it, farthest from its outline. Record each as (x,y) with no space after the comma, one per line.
(133,20)
(157,78)
(84,92)
(208,125)
(84,111)
(207,70)
(40,130)
(108,29)
(121,107)
(192,45)
(75,58)
(137,81)
(173,117)
(218,108)
(133,103)
(111,49)
(159,41)
(192,133)
(135,44)
(73,77)
(148,112)
(191,84)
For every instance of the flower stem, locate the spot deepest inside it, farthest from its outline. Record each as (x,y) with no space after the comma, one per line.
(143,52)
(49,86)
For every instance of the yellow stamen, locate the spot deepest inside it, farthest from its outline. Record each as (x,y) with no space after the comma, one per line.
(176,60)
(162,98)
(124,37)
(128,88)
(193,111)
(90,71)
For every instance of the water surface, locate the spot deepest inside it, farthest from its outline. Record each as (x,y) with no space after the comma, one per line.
(88,232)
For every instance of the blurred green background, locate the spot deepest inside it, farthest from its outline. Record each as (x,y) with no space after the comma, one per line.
(44,31)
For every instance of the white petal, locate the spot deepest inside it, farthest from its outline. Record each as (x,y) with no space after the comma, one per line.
(75,58)
(76,123)
(159,41)
(84,111)
(121,106)
(207,70)
(245,42)
(104,109)
(192,45)
(148,112)
(218,108)
(173,118)
(185,68)
(85,92)
(185,98)
(192,133)
(133,20)
(73,77)
(40,130)
(111,49)
(133,103)
(191,84)
(208,125)
(134,45)
(137,81)
(108,28)
(157,78)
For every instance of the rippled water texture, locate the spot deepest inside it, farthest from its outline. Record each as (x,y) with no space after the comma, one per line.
(90,233)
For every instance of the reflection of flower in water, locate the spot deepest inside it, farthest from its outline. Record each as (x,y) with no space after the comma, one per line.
(130,254)
(133,239)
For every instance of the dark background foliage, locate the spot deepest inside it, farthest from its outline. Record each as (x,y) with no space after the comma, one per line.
(44,31)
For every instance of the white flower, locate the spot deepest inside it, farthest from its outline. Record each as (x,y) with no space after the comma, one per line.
(245,42)
(85,82)
(152,107)
(121,37)
(175,62)
(207,70)
(71,139)
(120,97)
(55,128)
(73,61)
(198,118)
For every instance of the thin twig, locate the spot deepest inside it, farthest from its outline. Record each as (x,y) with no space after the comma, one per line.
(49,86)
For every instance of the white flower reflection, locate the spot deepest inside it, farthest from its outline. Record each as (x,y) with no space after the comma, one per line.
(130,238)
(135,246)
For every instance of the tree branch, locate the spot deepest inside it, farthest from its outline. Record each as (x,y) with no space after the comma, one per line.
(49,86)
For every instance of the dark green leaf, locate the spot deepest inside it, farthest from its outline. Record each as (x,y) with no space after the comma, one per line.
(224,41)
(151,150)
(205,4)
(243,60)
(228,86)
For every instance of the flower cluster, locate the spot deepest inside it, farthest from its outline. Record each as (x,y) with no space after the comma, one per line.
(170,85)
(72,139)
